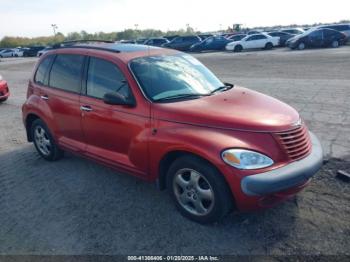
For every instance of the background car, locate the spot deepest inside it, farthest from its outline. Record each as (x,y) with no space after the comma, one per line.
(170,37)
(344,28)
(253,32)
(205,36)
(183,43)
(127,41)
(295,31)
(7,53)
(284,36)
(317,38)
(46,49)
(4,90)
(211,43)
(141,41)
(156,41)
(236,37)
(253,42)
(32,51)
(18,52)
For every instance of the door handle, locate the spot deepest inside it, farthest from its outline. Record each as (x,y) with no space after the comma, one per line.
(86,108)
(44,97)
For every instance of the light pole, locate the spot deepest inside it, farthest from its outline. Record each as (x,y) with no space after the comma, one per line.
(54,28)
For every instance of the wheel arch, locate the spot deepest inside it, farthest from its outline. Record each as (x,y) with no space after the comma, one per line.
(171,156)
(31,117)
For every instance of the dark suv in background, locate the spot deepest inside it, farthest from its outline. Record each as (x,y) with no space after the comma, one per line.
(183,43)
(32,51)
(343,28)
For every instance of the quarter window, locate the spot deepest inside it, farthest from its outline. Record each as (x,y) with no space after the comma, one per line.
(66,72)
(105,77)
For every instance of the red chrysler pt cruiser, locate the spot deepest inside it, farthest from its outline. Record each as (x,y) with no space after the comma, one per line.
(161,115)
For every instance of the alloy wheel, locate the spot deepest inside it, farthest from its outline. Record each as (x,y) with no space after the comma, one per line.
(42,140)
(193,192)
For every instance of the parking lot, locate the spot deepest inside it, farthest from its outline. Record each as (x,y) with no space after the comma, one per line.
(75,206)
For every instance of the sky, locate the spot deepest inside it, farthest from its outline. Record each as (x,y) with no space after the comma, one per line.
(34,18)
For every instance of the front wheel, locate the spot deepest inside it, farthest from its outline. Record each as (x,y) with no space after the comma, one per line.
(335,44)
(200,192)
(44,142)
(238,48)
(301,46)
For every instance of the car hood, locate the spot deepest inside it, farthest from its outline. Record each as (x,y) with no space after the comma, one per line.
(238,109)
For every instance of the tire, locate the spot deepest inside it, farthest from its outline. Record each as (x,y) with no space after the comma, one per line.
(238,48)
(268,46)
(3,100)
(190,175)
(335,44)
(44,142)
(301,46)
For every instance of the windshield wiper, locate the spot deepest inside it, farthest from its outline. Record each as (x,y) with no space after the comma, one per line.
(225,87)
(180,96)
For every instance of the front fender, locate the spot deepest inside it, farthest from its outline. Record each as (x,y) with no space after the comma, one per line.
(207,143)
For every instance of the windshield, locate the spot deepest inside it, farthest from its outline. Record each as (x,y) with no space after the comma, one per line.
(173,76)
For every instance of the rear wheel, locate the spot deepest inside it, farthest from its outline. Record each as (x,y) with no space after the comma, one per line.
(238,48)
(44,142)
(268,46)
(301,46)
(335,43)
(200,192)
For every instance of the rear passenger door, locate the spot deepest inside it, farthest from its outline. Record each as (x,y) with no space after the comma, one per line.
(114,133)
(61,95)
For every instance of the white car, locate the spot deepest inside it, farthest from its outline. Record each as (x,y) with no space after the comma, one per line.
(7,53)
(253,42)
(17,52)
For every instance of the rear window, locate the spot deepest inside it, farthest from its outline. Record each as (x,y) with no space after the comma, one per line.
(66,72)
(41,73)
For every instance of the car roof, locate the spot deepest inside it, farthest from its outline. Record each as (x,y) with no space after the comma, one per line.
(124,52)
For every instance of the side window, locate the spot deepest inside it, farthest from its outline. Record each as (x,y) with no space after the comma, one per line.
(250,38)
(105,77)
(66,72)
(316,34)
(259,37)
(40,75)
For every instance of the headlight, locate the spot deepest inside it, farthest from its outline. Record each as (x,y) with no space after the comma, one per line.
(245,159)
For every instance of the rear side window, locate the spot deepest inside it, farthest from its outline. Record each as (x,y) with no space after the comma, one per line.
(41,73)
(66,72)
(105,77)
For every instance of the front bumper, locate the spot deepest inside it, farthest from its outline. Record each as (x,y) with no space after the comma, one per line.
(284,178)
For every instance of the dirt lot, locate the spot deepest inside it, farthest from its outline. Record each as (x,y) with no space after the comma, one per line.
(78,207)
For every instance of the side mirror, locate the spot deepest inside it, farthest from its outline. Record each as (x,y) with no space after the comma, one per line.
(114,98)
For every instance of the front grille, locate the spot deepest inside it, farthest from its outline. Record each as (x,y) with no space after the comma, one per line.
(296,142)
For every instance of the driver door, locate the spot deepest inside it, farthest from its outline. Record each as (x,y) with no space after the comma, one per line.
(316,38)
(112,132)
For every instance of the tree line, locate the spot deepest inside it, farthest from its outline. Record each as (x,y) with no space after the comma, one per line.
(127,34)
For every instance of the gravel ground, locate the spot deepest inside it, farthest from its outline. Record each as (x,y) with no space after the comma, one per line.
(75,206)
